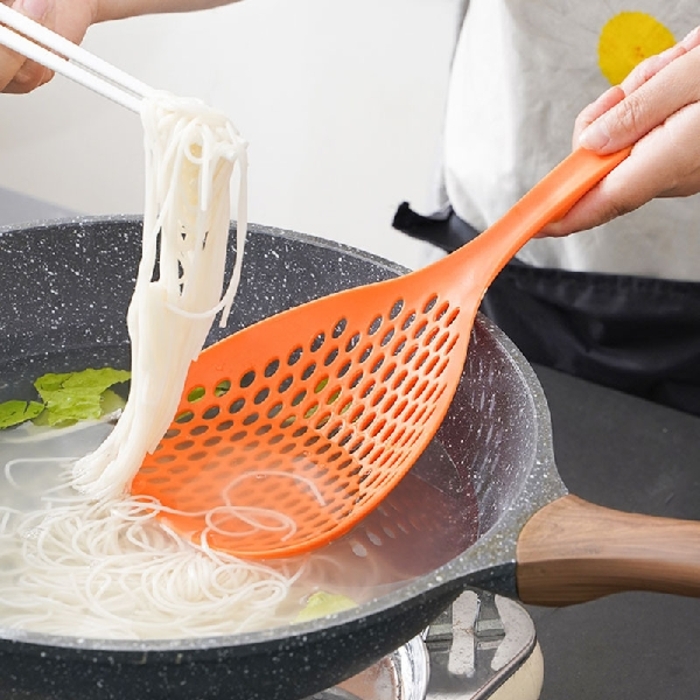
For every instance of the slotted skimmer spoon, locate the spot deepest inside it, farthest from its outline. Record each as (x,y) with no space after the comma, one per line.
(316,413)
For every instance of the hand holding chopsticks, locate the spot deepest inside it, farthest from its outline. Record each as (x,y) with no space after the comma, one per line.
(31,39)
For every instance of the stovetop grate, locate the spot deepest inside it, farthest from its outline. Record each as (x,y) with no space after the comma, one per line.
(474,648)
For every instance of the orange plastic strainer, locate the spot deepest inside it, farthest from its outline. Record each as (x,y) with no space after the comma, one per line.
(316,413)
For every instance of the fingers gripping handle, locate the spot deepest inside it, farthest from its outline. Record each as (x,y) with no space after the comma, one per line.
(552,197)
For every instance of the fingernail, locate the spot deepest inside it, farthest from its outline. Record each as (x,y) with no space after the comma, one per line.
(595,136)
(35,9)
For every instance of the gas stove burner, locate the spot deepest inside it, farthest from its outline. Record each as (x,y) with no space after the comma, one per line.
(483,646)
(402,675)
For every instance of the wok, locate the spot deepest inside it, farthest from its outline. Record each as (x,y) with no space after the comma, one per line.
(484,507)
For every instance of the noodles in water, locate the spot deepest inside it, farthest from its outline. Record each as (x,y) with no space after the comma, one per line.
(108,567)
(82,557)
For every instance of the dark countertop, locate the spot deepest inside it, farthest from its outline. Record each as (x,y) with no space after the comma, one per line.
(619,451)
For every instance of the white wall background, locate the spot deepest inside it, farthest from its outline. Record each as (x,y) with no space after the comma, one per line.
(341,103)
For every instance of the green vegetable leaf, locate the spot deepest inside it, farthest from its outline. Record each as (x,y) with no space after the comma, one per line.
(320,604)
(73,396)
(95,380)
(110,402)
(15,412)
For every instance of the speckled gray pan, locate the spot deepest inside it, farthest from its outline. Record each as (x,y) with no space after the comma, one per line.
(65,287)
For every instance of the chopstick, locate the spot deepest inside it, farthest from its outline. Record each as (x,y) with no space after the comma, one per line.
(31,39)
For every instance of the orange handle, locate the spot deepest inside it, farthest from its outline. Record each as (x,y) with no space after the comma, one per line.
(486,255)
(572,551)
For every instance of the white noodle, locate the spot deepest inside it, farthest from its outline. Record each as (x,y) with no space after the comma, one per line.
(109,568)
(191,152)
(263,472)
(26,460)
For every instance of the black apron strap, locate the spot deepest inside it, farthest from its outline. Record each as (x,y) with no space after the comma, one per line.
(637,334)
(443,229)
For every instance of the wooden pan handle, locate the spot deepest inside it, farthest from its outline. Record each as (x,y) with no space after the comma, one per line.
(572,551)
